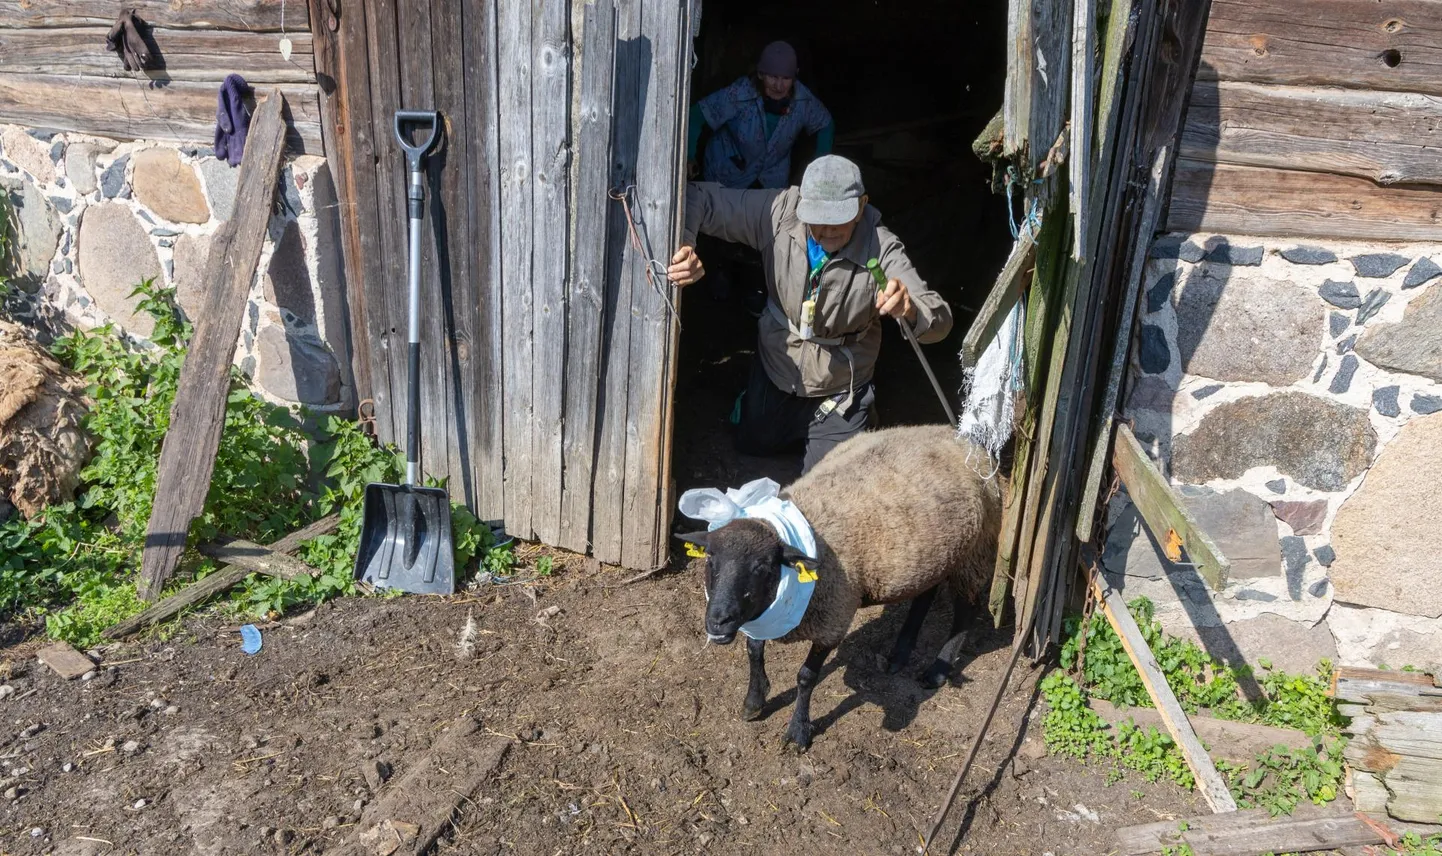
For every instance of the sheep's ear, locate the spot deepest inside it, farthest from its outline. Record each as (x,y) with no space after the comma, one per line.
(697,543)
(790,556)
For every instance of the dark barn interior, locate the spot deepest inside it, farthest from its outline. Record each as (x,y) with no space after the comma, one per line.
(909,86)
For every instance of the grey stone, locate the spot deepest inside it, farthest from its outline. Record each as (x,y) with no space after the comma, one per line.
(199,151)
(1295,556)
(1325,555)
(112,180)
(1158,294)
(57,151)
(1176,248)
(38,229)
(1226,323)
(1320,369)
(1423,272)
(1150,393)
(169,187)
(1378,265)
(1226,253)
(1155,356)
(62,204)
(1342,380)
(1339,323)
(65,244)
(1319,588)
(221,181)
(1242,525)
(169,265)
(247,366)
(296,368)
(1346,345)
(29,154)
(165,232)
(1319,443)
(80,166)
(1385,400)
(57,266)
(254,317)
(1412,345)
(1343,295)
(1305,517)
(1386,534)
(40,134)
(189,253)
(1260,596)
(287,281)
(1309,256)
(1207,391)
(1425,404)
(145,215)
(1376,299)
(115,255)
(1277,485)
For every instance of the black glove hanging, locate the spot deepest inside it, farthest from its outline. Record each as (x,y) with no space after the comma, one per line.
(232,120)
(125,39)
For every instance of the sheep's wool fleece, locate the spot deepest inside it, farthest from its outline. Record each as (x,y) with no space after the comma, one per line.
(759,500)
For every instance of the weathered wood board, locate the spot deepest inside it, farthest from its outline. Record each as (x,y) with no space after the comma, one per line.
(1388,137)
(1252,832)
(1244,200)
(1395,746)
(253,15)
(197,55)
(130,109)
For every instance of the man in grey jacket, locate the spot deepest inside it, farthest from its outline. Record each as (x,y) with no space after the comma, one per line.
(821,332)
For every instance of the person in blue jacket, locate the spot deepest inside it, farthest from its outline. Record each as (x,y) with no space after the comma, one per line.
(755,123)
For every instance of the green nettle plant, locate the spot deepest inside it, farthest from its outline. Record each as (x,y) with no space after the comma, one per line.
(75,568)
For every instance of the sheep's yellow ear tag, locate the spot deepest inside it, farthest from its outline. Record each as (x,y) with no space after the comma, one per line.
(694,551)
(804,574)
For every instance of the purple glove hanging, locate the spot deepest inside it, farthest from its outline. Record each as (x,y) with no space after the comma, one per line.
(232,120)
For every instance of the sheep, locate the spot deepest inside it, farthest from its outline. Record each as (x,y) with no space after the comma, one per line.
(896,513)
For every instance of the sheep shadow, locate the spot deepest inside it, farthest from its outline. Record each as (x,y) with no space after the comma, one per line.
(862,660)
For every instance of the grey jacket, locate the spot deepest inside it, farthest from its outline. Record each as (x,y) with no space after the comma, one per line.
(846,305)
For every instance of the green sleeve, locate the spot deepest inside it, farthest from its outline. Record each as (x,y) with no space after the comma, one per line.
(824,138)
(693,131)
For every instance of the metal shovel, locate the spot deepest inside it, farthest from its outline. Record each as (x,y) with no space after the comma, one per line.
(406,540)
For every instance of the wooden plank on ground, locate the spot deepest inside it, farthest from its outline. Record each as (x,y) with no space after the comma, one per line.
(415,809)
(1164,512)
(131,109)
(1388,137)
(203,55)
(551,233)
(652,297)
(65,661)
(187,455)
(1002,299)
(587,308)
(1388,45)
(1244,200)
(633,61)
(1209,781)
(219,581)
(258,559)
(1251,832)
(252,15)
(517,234)
(1238,742)
(484,203)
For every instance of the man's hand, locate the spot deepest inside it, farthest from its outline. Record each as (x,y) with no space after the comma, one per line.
(896,302)
(685,267)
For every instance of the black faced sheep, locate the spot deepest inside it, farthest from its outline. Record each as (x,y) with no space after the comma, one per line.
(896,513)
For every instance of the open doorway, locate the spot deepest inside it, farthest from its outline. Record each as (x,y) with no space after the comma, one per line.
(909,85)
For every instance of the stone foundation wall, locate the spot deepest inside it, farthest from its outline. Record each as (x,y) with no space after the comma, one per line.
(95,217)
(1293,390)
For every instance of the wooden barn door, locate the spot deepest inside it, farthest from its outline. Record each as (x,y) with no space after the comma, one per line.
(549,343)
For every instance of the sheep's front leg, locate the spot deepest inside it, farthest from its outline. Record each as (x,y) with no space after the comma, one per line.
(941,669)
(798,732)
(758,687)
(906,641)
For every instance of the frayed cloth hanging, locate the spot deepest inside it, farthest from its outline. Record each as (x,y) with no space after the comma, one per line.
(988,415)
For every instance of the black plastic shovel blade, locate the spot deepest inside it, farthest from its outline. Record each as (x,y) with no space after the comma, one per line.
(406,541)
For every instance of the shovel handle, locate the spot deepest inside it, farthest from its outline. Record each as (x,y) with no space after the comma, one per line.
(430,120)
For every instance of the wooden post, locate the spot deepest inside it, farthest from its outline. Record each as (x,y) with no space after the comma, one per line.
(187,455)
(1213,788)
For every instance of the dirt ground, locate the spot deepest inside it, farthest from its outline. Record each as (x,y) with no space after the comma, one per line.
(626,732)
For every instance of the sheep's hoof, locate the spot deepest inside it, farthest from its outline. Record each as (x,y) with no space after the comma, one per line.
(798,734)
(897,662)
(936,676)
(752,712)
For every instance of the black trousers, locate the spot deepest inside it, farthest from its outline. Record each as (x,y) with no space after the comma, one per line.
(773,420)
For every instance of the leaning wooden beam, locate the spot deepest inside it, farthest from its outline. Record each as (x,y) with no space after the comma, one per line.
(187,455)
(1162,509)
(1083,82)
(1213,788)
(258,559)
(1004,295)
(220,581)
(1253,832)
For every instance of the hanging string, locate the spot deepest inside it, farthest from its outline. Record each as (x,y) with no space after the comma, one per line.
(641,245)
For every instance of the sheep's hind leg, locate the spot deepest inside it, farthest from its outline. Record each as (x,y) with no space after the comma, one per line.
(798,732)
(910,631)
(758,687)
(940,671)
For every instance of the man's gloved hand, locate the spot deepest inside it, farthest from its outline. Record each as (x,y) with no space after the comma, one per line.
(124,38)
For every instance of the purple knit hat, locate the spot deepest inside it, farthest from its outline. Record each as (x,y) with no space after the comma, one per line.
(778,59)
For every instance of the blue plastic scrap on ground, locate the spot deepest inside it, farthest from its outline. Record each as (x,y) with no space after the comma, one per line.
(250,639)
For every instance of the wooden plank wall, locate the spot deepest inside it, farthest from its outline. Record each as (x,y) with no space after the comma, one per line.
(548,351)
(56,74)
(1321,118)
